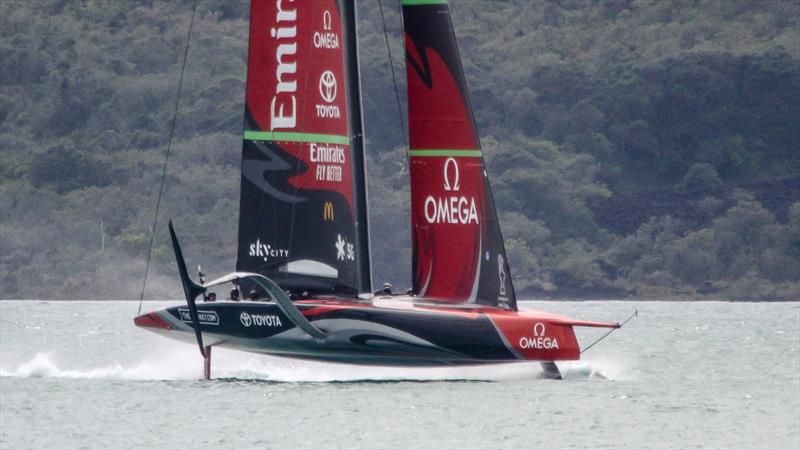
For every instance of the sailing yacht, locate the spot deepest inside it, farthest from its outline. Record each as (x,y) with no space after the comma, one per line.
(303,223)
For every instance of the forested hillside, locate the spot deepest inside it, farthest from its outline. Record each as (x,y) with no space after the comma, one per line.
(636,148)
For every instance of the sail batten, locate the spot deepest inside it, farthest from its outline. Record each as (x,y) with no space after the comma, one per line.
(278,136)
(445,152)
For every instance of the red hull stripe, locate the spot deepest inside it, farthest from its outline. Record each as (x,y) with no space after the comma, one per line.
(321,310)
(320,306)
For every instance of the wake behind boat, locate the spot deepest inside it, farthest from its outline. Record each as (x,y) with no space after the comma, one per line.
(303,224)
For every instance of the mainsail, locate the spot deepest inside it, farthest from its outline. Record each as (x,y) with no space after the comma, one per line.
(302,218)
(458,251)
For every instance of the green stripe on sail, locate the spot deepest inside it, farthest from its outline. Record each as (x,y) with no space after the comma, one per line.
(424,2)
(446,152)
(295,137)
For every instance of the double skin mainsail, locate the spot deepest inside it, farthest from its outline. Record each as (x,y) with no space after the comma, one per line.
(302,219)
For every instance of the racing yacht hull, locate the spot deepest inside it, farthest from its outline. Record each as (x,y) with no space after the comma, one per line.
(389,331)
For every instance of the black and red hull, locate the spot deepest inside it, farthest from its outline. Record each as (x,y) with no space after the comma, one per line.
(396,331)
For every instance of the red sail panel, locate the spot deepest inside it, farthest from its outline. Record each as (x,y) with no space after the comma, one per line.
(295,71)
(458,248)
(298,209)
(296,84)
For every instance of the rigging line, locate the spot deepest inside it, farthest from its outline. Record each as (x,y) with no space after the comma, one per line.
(166,158)
(635,314)
(394,78)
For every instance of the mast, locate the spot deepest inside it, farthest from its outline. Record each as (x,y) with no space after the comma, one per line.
(353,69)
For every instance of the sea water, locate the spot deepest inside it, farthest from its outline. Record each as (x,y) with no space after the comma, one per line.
(681,374)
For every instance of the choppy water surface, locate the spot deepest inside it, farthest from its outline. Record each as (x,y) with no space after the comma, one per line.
(710,374)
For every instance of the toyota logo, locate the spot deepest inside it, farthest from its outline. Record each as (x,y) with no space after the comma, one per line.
(327,86)
(245,319)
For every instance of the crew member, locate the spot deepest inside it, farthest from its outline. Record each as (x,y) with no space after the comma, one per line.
(212,297)
(253,295)
(235,294)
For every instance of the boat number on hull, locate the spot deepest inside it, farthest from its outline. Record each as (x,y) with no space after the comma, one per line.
(260,320)
(206,317)
(539,340)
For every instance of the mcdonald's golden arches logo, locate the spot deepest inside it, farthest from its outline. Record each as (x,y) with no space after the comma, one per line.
(327,212)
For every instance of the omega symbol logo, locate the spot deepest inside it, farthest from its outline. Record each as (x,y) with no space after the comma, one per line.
(245,319)
(447,186)
(326,20)
(538,329)
(327,86)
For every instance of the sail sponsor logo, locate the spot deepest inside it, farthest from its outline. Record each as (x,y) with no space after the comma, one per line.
(502,299)
(267,251)
(283,108)
(539,340)
(260,320)
(326,38)
(501,269)
(451,209)
(329,158)
(328,173)
(327,86)
(327,212)
(345,250)
(327,91)
(205,317)
(321,153)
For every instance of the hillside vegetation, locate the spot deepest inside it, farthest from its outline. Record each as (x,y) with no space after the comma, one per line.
(636,148)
